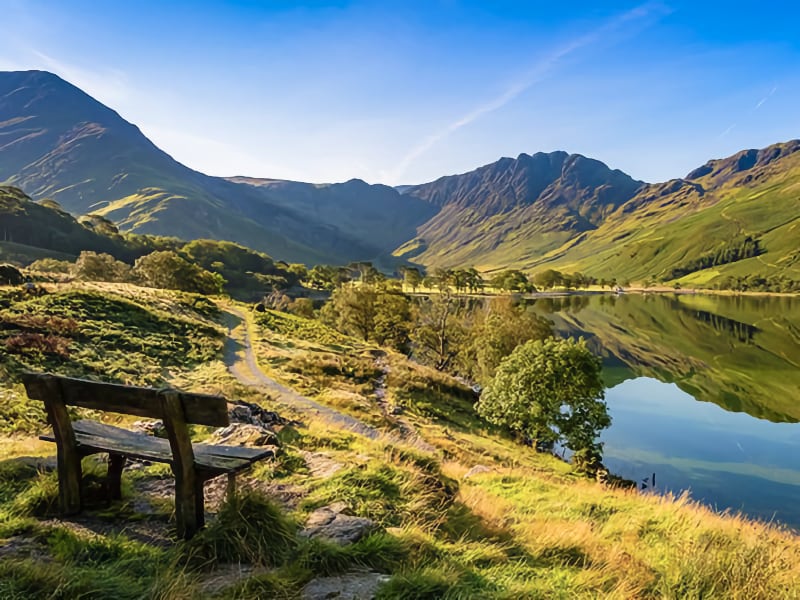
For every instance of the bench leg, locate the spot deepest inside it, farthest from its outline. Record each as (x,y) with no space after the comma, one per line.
(230,491)
(70,474)
(187,502)
(116,462)
(199,502)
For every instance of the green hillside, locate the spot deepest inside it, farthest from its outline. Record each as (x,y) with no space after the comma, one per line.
(29,231)
(515,210)
(666,228)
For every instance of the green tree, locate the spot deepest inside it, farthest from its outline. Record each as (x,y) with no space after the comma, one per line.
(550,391)
(92,266)
(511,280)
(440,331)
(51,265)
(412,277)
(548,279)
(323,277)
(166,269)
(371,313)
(496,332)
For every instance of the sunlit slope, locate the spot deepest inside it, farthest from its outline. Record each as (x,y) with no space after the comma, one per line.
(513,211)
(667,226)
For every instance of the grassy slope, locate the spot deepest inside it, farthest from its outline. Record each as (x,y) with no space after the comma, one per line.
(525,528)
(683,225)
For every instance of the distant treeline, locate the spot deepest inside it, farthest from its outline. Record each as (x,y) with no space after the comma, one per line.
(731,252)
(759,283)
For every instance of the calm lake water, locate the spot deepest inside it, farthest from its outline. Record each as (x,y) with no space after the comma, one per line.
(704,392)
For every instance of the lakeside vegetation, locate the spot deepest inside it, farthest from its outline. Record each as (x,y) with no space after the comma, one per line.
(480,515)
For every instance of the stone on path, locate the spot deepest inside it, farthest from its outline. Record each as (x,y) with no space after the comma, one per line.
(244,434)
(320,464)
(329,523)
(350,586)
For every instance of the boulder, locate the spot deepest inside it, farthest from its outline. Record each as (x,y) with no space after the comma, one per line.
(329,523)
(244,434)
(350,586)
(253,414)
(10,275)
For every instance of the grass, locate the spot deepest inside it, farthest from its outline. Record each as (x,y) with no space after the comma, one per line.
(524,527)
(125,336)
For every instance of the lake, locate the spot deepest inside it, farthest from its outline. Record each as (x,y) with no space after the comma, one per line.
(704,392)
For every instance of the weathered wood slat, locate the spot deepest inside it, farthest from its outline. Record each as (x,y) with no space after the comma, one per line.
(96,428)
(198,409)
(146,447)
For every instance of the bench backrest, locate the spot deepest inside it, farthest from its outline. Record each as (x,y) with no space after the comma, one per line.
(198,409)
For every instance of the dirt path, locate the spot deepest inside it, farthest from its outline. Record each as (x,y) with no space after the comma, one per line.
(241,362)
(405,430)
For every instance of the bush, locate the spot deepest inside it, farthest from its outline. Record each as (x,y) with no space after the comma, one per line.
(549,391)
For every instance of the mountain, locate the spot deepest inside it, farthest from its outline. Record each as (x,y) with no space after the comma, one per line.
(57,142)
(733,217)
(514,210)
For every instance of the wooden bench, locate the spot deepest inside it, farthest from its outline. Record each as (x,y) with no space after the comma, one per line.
(192,464)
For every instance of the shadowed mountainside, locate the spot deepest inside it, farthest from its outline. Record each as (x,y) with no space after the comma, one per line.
(57,142)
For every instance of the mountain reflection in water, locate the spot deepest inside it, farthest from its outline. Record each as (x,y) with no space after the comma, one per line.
(739,356)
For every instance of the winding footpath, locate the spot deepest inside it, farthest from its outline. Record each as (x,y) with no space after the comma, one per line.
(241,362)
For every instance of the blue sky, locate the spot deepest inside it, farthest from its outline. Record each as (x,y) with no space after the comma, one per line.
(405,92)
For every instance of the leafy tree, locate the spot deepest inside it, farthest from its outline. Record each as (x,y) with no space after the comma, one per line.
(473,280)
(302,307)
(299,270)
(351,310)
(51,265)
(92,266)
(548,279)
(393,321)
(497,331)
(550,391)
(412,277)
(440,331)
(241,267)
(327,277)
(166,269)
(371,313)
(511,280)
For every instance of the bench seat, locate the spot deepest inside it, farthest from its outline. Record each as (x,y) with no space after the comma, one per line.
(93,437)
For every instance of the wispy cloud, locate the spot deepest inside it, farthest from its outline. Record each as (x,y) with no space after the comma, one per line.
(765,98)
(526,80)
(727,131)
(758,105)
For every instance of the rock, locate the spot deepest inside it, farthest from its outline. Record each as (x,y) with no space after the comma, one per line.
(253,414)
(10,275)
(350,586)
(331,524)
(320,464)
(155,428)
(476,470)
(243,434)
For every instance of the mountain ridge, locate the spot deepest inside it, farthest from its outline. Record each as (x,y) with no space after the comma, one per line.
(535,211)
